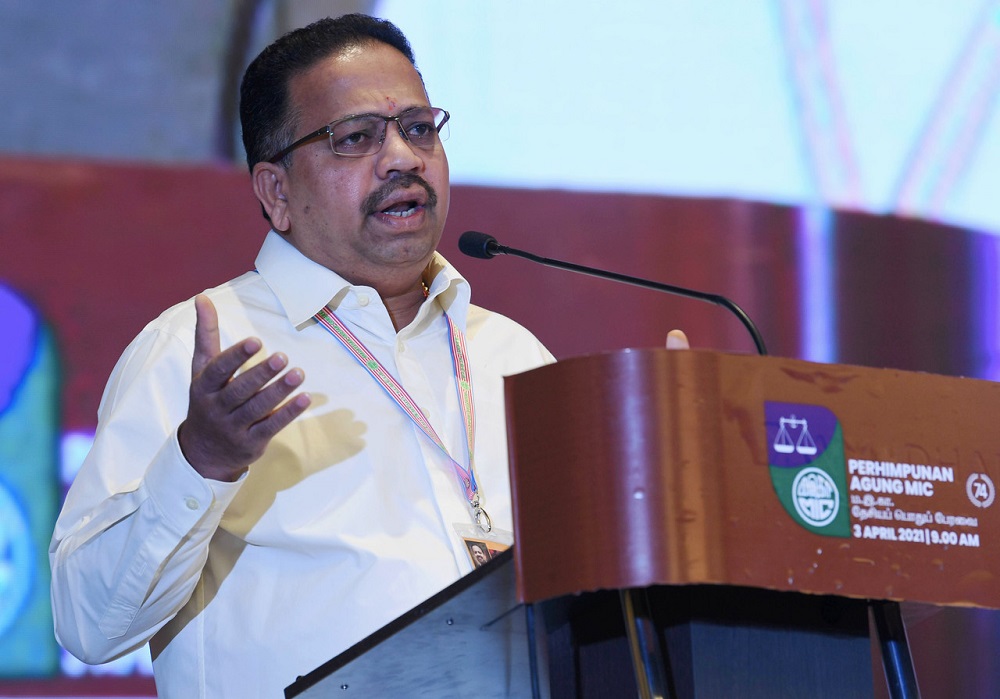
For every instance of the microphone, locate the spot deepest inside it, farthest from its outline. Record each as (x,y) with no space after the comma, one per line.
(481,245)
(485,247)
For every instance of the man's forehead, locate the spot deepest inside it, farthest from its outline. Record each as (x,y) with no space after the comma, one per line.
(363,78)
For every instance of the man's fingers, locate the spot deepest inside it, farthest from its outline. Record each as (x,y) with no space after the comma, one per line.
(216,366)
(676,339)
(216,373)
(278,418)
(235,391)
(231,417)
(206,333)
(221,444)
(267,399)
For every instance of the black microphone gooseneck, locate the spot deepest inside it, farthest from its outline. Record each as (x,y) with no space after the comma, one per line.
(485,246)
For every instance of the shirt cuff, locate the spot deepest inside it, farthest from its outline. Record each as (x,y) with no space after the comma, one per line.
(182,495)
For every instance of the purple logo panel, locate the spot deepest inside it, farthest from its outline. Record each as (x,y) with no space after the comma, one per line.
(797,434)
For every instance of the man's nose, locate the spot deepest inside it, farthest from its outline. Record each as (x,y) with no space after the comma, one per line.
(398,154)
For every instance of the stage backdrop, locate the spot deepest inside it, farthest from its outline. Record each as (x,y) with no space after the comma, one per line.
(91,252)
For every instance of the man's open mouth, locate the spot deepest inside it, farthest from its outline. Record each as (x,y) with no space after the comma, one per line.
(402,197)
(402,209)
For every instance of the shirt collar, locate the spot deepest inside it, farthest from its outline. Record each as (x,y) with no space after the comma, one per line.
(304,287)
(449,288)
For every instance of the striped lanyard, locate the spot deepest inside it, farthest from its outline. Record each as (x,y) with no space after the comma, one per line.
(463,378)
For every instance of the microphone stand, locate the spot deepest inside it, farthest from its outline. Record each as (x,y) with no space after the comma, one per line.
(491,247)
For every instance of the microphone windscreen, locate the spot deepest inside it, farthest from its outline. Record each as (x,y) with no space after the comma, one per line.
(476,244)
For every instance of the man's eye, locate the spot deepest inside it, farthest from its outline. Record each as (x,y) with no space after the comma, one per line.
(354,140)
(420,130)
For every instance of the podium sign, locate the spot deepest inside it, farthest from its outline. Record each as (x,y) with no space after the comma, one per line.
(648,467)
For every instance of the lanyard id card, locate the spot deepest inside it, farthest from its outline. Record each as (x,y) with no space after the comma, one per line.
(463,379)
(483,546)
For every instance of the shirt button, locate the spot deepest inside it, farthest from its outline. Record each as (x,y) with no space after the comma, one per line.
(192,503)
(363,299)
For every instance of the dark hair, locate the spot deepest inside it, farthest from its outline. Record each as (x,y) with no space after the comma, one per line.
(268,124)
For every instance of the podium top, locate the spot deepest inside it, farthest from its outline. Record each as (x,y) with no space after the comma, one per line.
(646,467)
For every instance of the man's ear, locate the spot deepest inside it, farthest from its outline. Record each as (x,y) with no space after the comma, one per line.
(269,185)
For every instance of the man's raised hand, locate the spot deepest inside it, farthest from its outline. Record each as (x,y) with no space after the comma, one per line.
(232,418)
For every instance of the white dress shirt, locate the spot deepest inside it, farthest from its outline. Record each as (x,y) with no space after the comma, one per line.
(345,523)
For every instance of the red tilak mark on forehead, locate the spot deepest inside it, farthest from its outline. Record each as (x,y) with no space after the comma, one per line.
(391,102)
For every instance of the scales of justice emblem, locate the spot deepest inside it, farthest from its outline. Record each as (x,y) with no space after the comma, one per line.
(783,443)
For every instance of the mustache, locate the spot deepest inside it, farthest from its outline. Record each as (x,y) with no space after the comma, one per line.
(373,202)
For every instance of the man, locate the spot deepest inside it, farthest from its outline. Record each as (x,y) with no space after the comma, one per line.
(249,532)
(478,552)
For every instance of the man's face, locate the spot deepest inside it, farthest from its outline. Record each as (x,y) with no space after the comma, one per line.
(370,219)
(479,555)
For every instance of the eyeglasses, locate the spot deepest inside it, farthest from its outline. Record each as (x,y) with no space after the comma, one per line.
(359,135)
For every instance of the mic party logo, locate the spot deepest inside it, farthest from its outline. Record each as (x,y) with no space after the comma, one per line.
(806,459)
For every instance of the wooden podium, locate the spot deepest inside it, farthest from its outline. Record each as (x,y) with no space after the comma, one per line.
(724,517)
